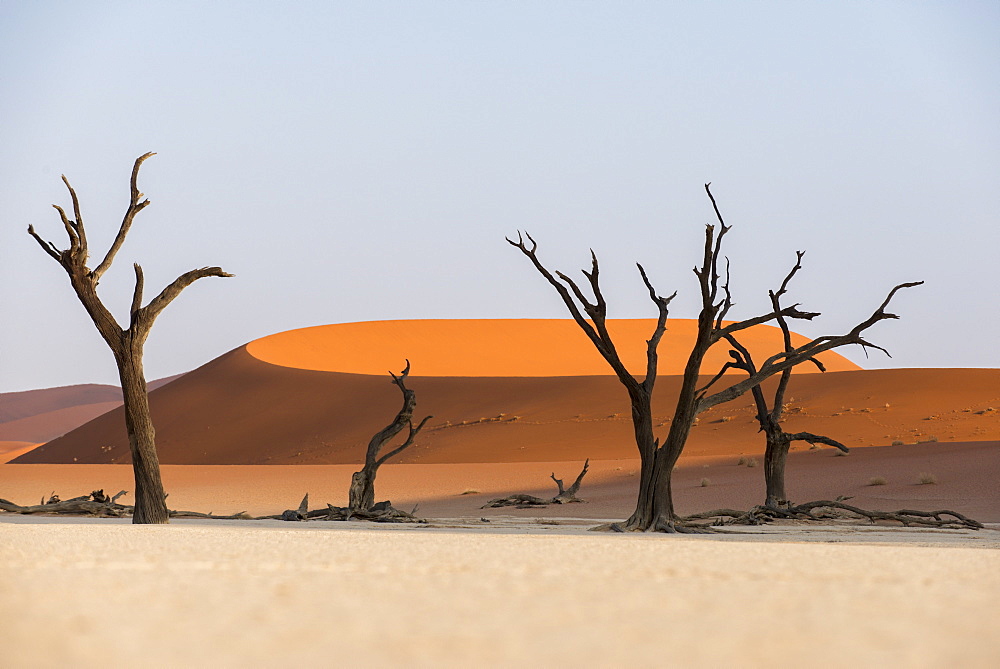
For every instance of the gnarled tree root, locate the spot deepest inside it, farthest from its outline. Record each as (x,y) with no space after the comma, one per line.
(677,526)
(827,509)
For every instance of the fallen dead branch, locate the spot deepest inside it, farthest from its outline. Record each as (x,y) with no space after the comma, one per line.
(522,501)
(381,512)
(837,510)
(99,505)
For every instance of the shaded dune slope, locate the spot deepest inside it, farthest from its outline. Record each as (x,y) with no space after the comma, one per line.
(40,415)
(27,403)
(240,410)
(51,424)
(253,408)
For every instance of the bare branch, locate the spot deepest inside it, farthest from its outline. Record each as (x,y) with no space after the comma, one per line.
(784,284)
(717,250)
(137,293)
(167,295)
(401,379)
(414,431)
(74,239)
(729,365)
(597,330)
(47,246)
(661,326)
(575,488)
(811,438)
(78,225)
(567,299)
(591,309)
(134,207)
(727,301)
(788,359)
(788,312)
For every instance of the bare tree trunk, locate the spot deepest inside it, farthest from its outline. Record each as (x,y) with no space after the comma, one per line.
(150,498)
(362,491)
(125,343)
(775,457)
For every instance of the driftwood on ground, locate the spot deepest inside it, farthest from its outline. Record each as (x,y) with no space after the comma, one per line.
(522,501)
(381,512)
(837,509)
(99,505)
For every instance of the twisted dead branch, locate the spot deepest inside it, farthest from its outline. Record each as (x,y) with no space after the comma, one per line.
(523,501)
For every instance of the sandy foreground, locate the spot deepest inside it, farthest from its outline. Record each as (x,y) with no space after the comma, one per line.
(98,593)
(526,587)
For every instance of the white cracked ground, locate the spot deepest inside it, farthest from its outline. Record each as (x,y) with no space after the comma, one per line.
(201,593)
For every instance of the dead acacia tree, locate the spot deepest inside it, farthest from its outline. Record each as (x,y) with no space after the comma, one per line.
(564,496)
(654,505)
(778,441)
(126,343)
(362,491)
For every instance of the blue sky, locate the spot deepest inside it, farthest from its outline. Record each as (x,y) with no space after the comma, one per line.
(363,161)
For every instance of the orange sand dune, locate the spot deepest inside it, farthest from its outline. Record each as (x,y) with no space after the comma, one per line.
(239,410)
(501,347)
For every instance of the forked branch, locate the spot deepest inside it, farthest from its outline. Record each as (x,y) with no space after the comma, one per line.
(136,204)
(596,327)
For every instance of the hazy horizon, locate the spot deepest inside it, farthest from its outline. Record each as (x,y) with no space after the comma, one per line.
(364,161)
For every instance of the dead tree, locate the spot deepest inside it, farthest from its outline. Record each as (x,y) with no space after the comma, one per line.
(362,491)
(126,343)
(523,501)
(654,506)
(778,441)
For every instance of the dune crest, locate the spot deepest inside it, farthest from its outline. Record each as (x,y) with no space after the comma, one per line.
(502,347)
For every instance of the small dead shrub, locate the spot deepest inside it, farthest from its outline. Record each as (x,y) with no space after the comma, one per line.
(752,462)
(877,480)
(897,442)
(926,478)
(705,483)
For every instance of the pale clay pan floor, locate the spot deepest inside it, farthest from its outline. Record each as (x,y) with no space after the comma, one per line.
(203,593)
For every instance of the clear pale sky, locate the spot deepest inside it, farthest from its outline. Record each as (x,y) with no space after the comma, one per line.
(364,161)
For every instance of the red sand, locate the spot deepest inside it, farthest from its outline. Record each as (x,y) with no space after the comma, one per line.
(500,347)
(239,410)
